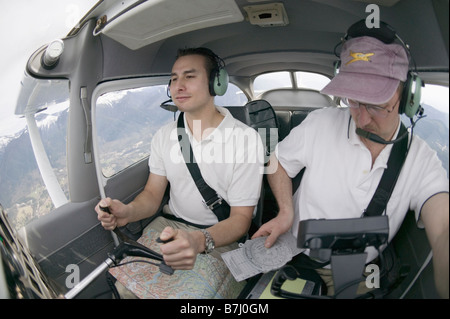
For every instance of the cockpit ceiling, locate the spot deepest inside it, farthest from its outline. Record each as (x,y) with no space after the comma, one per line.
(151,21)
(142,36)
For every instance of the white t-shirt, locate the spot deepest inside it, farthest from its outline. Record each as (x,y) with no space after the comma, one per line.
(339,182)
(230,160)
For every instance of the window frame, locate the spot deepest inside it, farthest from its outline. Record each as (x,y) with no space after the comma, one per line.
(107,87)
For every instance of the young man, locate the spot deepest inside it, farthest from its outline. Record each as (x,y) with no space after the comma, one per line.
(343,168)
(229,155)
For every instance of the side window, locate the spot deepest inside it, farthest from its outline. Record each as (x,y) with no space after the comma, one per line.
(434,128)
(233,97)
(126,121)
(33,171)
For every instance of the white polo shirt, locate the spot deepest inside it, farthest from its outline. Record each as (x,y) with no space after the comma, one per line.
(230,160)
(339,181)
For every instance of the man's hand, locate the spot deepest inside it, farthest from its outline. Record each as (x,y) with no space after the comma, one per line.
(275,228)
(117,215)
(182,249)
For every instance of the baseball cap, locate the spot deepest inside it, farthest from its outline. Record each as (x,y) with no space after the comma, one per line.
(370,70)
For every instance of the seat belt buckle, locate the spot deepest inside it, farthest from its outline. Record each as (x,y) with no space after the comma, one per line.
(214,202)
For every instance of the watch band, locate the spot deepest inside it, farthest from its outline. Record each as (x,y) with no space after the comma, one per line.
(209,241)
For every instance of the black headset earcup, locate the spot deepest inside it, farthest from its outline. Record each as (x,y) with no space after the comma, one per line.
(218,82)
(411,95)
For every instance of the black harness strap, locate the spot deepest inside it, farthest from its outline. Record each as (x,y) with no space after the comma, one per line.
(211,199)
(387,183)
(181,220)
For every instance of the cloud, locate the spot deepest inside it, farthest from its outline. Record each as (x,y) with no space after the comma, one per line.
(437,97)
(25,26)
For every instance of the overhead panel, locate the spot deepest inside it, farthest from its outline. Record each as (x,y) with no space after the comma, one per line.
(267,15)
(155,20)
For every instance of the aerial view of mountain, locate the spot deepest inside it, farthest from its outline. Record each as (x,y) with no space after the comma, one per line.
(434,128)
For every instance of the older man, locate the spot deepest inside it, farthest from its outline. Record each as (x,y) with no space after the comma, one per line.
(345,152)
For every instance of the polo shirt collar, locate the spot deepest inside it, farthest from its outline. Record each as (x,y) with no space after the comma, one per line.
(354,139)
(221,133)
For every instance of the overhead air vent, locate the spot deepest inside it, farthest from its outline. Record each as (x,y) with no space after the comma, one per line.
(267,15)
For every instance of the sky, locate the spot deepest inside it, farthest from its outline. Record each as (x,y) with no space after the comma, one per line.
(26,25)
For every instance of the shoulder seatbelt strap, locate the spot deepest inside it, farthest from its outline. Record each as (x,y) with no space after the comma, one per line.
(212,200)
(387,183)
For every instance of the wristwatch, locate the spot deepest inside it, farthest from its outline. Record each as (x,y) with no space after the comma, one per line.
(209,242)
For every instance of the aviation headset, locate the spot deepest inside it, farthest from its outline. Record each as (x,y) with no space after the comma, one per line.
(218,78)
(410,99)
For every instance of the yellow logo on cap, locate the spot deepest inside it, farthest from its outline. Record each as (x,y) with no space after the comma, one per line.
(359,56)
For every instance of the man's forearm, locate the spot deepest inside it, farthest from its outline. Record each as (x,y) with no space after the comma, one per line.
(281,186)
(234,227)
(143,206)
(147,203)
(440,265)
(435,216)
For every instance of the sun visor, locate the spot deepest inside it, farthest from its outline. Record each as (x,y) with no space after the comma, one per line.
(155,20)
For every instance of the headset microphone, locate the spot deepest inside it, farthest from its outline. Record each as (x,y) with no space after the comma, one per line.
(377,139)
(169,106)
